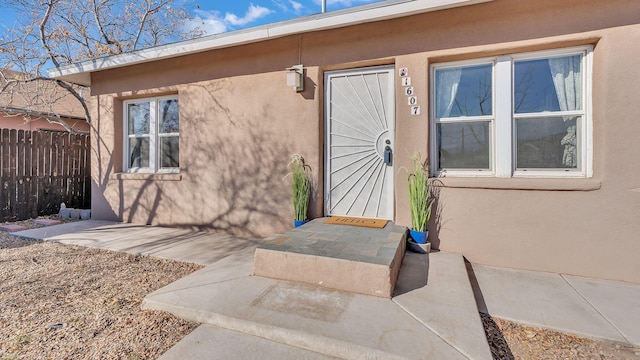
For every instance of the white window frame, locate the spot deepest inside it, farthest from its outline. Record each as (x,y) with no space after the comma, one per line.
(154,136)
(503,149)
(490,118)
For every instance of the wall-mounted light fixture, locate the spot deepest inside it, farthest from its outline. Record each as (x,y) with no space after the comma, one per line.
(295,77)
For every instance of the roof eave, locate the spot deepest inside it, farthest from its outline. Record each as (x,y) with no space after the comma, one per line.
(80,73)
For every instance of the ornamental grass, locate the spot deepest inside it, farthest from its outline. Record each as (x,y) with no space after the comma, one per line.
(301,186)
(420,199)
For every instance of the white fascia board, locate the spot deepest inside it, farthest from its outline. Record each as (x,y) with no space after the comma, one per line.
(80,73)
(384,11)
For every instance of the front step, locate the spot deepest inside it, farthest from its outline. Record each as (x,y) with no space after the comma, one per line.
(342,257)
(438,320)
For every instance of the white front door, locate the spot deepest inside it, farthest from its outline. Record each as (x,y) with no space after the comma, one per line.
(359,141)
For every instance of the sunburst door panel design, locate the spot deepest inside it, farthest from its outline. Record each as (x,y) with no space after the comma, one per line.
(360,129)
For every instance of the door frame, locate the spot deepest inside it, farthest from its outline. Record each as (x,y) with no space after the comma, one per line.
(327,129)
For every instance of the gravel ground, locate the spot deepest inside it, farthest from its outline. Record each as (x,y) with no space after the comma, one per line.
(67,302)
(509,340)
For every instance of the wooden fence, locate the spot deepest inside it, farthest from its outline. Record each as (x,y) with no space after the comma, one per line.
(41,169)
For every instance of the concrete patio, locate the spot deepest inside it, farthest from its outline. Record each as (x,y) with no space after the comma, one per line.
(197,247)
(433,314)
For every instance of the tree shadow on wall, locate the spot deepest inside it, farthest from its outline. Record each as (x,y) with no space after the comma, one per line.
(231,172)
(232,187)
(237,182)
(101,170)
(231,169)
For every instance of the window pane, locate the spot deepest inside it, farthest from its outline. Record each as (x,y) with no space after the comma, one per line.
(139,152)
(547,143)
(169,120)
(464,91)
(169,152)
(139,120)
(464,145)
(553,84)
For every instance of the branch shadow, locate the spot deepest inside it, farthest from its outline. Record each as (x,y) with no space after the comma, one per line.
(231,168)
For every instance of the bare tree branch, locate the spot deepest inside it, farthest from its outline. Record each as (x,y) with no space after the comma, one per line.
(43,37)
(30,115)
(62,32)
(103,33)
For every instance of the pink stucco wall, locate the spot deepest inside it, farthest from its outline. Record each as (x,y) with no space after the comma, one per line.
(240,123)
(20,123)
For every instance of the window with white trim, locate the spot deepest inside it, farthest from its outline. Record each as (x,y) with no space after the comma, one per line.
(509,116)
(152,134)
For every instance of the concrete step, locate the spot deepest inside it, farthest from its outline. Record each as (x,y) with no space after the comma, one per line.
(350,258)
(431,317)
(209,342)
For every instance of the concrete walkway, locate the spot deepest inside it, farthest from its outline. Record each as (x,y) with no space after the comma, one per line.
(587,307)
(197,247)
(432,315)
(438,321)
(247,316)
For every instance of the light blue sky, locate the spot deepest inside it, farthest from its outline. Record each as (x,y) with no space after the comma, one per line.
(220,16)
(216,16)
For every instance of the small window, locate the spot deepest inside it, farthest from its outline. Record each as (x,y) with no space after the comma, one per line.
(519,115)
(152,135)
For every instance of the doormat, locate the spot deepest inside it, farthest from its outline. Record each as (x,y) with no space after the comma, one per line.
(343,220)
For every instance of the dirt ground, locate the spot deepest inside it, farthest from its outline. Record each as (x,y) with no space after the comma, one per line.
(67,302)
(509,340)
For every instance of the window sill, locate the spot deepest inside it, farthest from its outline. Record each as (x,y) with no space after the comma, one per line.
(548,184)
(147,176)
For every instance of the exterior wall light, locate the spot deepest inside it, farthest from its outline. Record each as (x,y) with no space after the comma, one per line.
(295,77)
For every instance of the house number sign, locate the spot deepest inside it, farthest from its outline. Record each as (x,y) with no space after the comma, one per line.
(412,99)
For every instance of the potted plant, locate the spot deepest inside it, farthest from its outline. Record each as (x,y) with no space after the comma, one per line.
(301,186)
(420,200)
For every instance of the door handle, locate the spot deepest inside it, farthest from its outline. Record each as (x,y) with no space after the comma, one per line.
(388,155)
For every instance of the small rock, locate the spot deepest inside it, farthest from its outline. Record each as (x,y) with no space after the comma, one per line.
(65,213)
(56,326)
(75,214)
(85,214)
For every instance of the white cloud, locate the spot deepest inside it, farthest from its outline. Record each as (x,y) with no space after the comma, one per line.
(280,5)
(254,13)
(212,22)
(287,6)
(208,21)
(297,7)
(344,2)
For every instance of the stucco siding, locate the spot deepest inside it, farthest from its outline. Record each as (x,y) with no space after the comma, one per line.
(239,124)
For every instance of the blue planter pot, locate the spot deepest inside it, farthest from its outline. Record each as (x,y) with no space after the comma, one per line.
(419,236)
(297,223)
